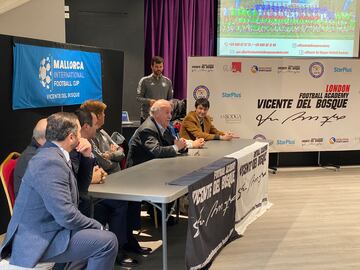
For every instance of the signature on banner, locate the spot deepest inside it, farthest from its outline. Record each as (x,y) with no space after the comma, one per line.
(247,186)
(298,117)
(215,209)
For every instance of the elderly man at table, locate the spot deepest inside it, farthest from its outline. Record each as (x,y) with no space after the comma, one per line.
(154,139)
(197,124)
(47,225)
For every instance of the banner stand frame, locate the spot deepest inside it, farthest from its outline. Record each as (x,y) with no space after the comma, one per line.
(335,167)
(273,169)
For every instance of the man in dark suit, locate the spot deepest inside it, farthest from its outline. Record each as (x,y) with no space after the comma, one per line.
(46,225)
(37,140)
(153,139)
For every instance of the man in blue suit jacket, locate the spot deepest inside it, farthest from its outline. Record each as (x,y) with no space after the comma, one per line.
(46,225)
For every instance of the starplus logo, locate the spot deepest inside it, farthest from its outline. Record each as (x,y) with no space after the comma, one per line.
(342,69)
(232,95)
(284,142)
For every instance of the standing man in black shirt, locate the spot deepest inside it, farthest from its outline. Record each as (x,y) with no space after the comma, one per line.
(153,87)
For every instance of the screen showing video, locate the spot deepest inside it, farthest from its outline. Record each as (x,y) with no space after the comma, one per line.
(292,28)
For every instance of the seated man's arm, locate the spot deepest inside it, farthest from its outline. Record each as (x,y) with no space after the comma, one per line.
(85,172)
(104,163)
(151,143)
(53,184)
(214,130)
(192,127)
(116,153)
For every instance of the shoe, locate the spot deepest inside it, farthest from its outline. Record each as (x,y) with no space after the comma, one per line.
(126,261)
(138,249)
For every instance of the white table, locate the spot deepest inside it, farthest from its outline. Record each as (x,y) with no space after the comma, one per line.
(149,181)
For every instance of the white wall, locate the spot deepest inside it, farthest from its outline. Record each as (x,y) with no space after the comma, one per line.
(40,19)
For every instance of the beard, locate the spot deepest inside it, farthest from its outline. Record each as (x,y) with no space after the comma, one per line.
(75,144)
(157,72)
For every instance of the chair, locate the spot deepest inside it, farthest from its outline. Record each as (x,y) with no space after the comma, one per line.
(4,265)
(7,178)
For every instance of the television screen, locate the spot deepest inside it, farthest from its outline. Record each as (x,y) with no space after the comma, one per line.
(288,28)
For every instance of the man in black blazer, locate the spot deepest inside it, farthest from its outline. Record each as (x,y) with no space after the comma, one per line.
(153,139)
(37,140)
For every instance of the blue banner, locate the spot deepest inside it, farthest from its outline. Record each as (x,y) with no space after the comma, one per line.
(46,77)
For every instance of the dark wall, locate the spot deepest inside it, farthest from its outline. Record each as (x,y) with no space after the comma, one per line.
(17,125)
(112,24)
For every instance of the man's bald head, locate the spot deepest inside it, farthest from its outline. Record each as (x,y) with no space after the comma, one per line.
(39,131)
(161,111)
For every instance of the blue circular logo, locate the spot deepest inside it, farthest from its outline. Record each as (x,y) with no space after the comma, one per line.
(201,91)
(259,137)
(316,70)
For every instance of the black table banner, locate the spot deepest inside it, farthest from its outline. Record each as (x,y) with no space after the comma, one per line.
(211,212)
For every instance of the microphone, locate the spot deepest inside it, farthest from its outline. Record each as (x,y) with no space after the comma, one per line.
(174,131)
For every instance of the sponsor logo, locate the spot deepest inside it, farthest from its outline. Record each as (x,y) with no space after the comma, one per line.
(338,88)
(312,141)
(289,69)
(334,140)
(259,137)
(316,70)
(203,68)
(285,142)
(255,69)
(50,70)
(201,91)
(231,117)
(235,67)
(231,94)
(342,69)
(45,72)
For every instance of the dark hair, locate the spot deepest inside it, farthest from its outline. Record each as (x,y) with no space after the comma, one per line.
(60,125)
(203,102)
(157,60)
(84,116)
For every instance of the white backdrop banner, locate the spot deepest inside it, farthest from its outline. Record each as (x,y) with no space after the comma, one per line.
(299,104)
(252,184)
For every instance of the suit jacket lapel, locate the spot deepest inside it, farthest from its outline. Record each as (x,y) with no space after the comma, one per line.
(167,138)
(73,182)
